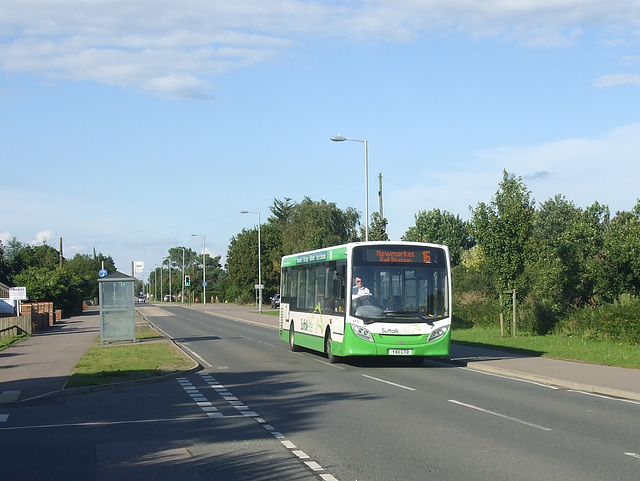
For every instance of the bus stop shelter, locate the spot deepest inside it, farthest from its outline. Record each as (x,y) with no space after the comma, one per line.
(117,311)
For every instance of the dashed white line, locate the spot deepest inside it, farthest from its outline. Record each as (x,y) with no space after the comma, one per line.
(335,366)
(633,455)
(389,382)
(3,418)
(314,466)
(301,454)
(212,412)
(503,416)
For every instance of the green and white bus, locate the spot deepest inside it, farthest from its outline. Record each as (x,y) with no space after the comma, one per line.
(403,308)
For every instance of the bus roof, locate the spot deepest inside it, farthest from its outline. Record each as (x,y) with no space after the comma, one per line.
(340,252)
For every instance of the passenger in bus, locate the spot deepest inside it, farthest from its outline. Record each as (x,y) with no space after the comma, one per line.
(359,290)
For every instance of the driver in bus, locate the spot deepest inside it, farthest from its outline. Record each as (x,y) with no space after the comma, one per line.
(359,290)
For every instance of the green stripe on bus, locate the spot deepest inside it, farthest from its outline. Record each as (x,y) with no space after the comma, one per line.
(313,257)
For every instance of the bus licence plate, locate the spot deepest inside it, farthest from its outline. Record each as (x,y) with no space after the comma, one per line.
(400,352)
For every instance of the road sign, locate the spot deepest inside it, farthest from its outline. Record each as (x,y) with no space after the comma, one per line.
(259,286)
(17,293)
(204,284)
(102,272)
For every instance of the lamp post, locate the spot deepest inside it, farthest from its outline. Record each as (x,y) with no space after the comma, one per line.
(169,266)
(182,291)
(340,138)
(204,272)
(259,263)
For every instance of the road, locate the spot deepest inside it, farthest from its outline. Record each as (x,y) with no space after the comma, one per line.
(259,411)
(393,421)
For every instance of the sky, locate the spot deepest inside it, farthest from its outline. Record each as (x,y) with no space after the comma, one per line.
(128,126)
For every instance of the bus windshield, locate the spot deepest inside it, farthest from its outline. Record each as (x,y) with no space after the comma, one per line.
(399,285)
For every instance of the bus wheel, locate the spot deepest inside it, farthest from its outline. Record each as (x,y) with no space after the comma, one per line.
(327,348)
(292,342)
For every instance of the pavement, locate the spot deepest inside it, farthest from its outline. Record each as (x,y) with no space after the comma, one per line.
(41,365)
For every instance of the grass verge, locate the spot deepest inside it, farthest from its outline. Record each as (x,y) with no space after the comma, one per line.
(607,353)
(149,357)
(5,342)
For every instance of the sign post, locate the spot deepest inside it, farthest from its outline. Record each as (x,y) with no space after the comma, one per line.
(18,294)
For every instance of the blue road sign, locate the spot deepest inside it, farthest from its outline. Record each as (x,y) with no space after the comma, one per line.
(102,272)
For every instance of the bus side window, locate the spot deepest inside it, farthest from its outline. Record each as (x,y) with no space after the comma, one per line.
(340,284)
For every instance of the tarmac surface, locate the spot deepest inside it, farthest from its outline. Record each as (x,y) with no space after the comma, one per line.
(41,365)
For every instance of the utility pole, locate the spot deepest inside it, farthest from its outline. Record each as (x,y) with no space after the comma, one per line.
(380,194)
(61,256)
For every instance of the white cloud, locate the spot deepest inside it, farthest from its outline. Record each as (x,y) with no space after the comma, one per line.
(617,79)
(168,48)
(44,237)
(584,170)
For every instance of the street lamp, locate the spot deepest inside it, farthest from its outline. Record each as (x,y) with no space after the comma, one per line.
(259,263)
(340,138)
(204,272)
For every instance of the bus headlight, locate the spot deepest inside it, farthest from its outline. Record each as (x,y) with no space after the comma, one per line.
(437,333)
(362,332)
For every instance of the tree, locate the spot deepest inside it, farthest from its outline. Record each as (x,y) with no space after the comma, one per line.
(292,228)
(378,228)
(313,225)
(441,228)
(4,266)
(86,267)
(282,211)
(503,230)
(60,286)
(590,238)
(621,254)
(242,263)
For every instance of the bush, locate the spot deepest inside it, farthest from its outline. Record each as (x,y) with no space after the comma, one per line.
(618,321)
(537,316)
(475,309)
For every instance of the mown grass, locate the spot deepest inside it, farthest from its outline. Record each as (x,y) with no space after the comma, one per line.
(5,342)
(607,353)
(144,359)
(110,364)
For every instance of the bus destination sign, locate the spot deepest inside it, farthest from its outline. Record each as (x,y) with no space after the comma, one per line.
(421,256)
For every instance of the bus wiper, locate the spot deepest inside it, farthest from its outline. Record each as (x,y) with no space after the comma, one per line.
(409,313)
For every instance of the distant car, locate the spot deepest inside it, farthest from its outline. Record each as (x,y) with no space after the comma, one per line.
(275,301)
(167,299)
(141,299)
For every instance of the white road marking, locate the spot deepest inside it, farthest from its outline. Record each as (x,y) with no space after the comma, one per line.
(503,416)
(511,378)
(633,455)
(102,423)
(3,418)
(246,412)
(389,382)
(336,366)
(604,396)
(200,358)
(314,466)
